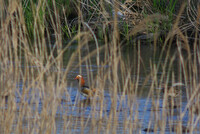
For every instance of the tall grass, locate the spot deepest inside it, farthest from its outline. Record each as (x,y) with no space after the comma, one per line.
(38,83)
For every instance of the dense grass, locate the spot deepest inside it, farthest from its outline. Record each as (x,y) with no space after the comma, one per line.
(130,14)
(32,76)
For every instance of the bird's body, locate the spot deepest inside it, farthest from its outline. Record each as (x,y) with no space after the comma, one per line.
(172,91)
(83,89)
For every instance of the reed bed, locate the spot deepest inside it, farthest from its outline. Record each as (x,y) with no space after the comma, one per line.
(38,94)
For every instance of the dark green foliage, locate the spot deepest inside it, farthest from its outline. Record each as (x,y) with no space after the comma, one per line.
(30,9)
(33,11)
(166,7)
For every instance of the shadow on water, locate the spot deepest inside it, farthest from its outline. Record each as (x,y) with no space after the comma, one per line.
(75,112)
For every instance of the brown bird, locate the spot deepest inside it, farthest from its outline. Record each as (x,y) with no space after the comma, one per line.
(172,91)
(83,89)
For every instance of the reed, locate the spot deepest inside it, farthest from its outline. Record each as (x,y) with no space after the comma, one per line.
(38,94)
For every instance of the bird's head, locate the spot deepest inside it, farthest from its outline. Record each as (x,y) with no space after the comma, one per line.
(80,80)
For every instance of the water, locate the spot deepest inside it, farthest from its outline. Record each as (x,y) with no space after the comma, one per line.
(74,113)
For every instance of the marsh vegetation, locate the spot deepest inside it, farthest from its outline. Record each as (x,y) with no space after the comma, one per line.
(142,56)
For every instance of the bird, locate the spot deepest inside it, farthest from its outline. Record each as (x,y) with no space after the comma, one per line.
(83,89)
(5,95)
(172,91)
